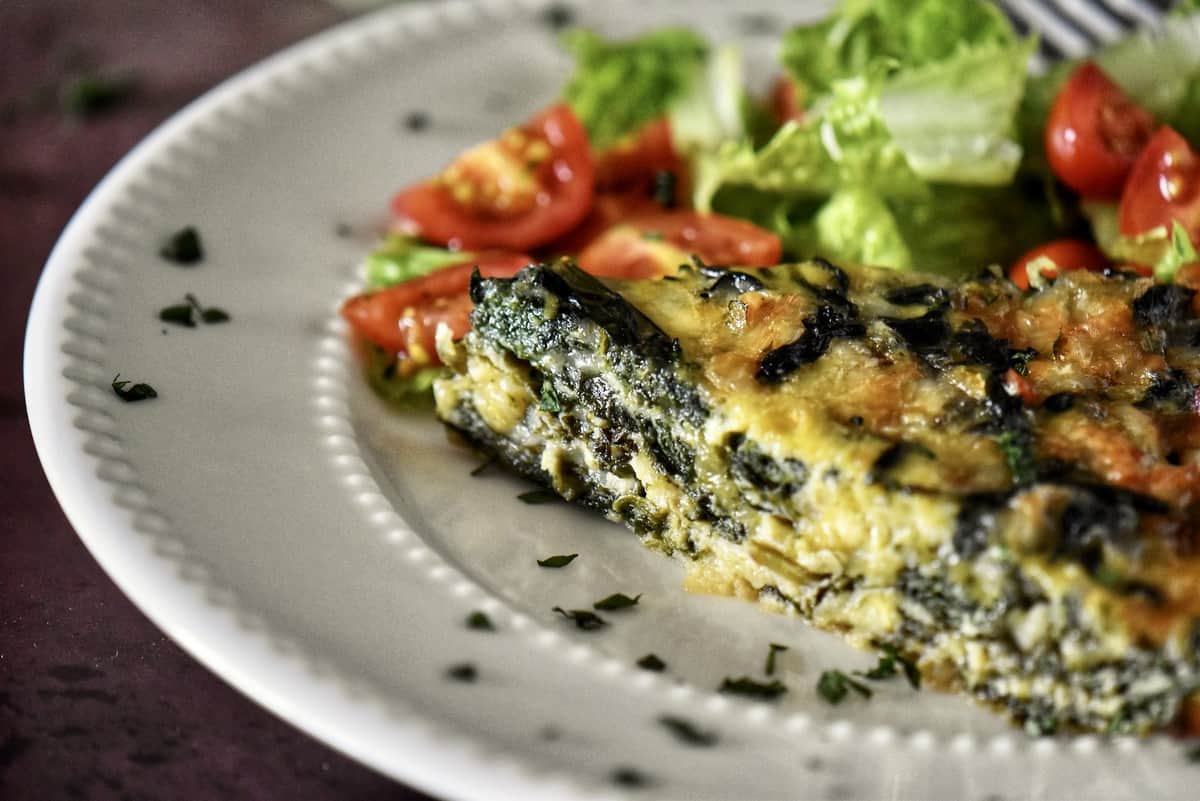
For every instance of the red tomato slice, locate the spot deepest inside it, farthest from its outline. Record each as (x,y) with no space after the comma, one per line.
(624,251)
(1066,254)
(608,209)
(714,238)
(1094,133)
(656,242)
(517,192)
(632,162)
(403,319)
(785,102)
(1163,187)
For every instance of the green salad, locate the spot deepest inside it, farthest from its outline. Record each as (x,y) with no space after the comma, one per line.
(908,134)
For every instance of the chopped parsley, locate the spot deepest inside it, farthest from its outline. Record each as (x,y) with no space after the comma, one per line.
(549,400)
(773,649)
(464,672)
(131,394)
(746,686)
(583,619)
(416,121)
(538,496)
(652,663)
(179,314)
(558,16)
(885,668)
(687,732)
(1193,755)
(480,622)
(561,560)
(629,777)
(182,313)
(834,685)
(618,600)
(183,247)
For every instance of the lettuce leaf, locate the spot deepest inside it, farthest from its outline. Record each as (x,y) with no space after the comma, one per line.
(952,230)
(857,226)
(1179,253)
(903,33)
(1164,250)
(401,258)
(408,391)
(955,120)
(618,86)
(909,155)
(845,143)
(711,109)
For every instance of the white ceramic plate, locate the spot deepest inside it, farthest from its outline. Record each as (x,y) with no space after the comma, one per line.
(321,552)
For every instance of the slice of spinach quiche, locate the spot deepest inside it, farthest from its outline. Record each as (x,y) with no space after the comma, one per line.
(1002,486)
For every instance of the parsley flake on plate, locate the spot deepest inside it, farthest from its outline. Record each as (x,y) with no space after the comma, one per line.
(748,687)
(618,600)
(464,672)
(687,732)
(652,663)
(629,777)
(131,394)
(772,649)
(582,618)
(479,621)
(885,668)
(560,560)
(183,247)
(834,685)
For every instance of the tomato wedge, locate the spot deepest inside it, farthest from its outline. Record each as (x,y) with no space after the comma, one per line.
(714,238)
(632,163)
(1094,133)
(404,319)
(650,244)
(1065,254)
(608,209)
(517,192)
(624,251)
(1163,187)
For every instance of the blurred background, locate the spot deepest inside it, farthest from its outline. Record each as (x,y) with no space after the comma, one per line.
(95,703)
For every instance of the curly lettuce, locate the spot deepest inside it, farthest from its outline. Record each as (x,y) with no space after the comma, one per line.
(908,154)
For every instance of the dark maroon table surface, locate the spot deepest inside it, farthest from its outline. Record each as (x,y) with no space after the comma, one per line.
(95,703)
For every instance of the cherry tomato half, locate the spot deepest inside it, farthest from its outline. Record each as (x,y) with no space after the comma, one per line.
(403,319)
(714,238)
(608,209)
(624,251)
(517,192)
(1066,255)
(1094,133)
(1163,187)
(659,241)
(632,163)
